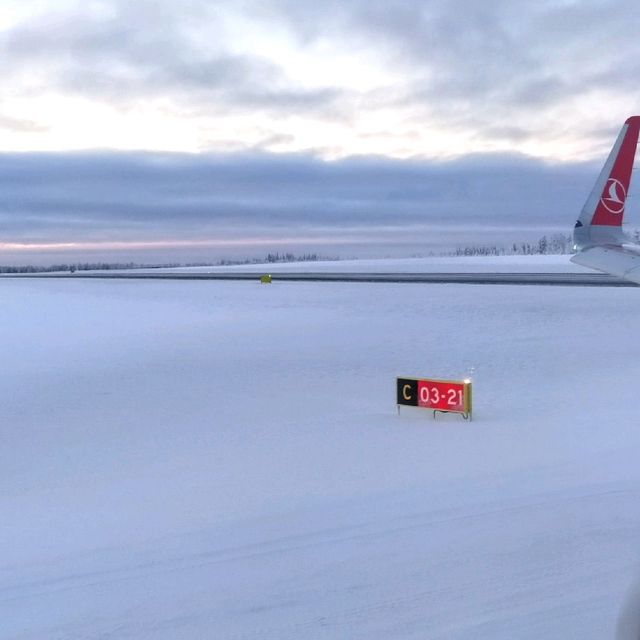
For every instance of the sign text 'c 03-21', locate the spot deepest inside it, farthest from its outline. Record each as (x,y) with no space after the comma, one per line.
(451,396)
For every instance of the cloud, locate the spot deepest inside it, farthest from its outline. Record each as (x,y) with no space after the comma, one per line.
(467,93)
(152,50)
(153,197)
(547,67)
(21,125)
(554,73)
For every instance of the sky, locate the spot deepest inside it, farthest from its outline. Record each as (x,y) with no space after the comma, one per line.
(200,130)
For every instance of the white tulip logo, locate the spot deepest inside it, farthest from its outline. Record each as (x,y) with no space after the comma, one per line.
(614,196)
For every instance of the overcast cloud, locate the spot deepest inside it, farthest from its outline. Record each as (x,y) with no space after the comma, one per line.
(227,205)
(333,123)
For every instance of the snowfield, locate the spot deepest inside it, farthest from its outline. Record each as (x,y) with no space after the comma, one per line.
(190,460)
(479,264)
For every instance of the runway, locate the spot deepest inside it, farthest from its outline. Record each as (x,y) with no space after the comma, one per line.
(557,279)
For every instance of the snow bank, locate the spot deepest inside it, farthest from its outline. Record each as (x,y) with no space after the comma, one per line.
(479,264)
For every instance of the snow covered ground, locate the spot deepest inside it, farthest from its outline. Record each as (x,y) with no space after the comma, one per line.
(480,264)
(187,460)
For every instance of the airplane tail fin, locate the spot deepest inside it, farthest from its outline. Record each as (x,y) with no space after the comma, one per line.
(600,222)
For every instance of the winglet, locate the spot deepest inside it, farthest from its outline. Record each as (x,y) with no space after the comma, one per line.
(600,222)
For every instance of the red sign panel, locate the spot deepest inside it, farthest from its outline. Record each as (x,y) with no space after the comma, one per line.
(445,396)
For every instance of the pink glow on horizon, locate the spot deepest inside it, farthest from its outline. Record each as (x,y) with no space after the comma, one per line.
(158,244)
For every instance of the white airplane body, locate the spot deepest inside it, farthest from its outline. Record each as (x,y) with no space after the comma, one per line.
(598,237)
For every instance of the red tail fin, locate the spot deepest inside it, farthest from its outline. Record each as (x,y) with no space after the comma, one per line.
(609,208)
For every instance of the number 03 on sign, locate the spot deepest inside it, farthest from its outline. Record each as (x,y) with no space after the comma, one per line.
(448,396)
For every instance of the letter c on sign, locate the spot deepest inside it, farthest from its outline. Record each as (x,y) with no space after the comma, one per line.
(404,392)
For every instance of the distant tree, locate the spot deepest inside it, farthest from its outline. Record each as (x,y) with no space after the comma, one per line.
(543,245)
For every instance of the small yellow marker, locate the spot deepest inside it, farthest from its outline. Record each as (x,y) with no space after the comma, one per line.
(266,278)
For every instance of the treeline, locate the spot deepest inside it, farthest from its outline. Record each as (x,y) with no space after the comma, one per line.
(84,266)
(277,257)
(555,244)
(110,266)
